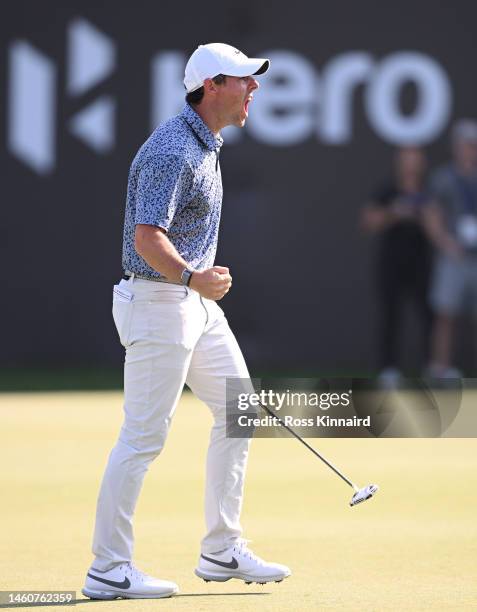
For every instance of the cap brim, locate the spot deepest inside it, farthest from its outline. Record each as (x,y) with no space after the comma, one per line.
(264,67)
(252,66)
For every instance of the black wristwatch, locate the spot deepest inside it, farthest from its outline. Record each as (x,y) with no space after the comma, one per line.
(186,276)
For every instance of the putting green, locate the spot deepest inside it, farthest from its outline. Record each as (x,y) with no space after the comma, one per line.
(412,547)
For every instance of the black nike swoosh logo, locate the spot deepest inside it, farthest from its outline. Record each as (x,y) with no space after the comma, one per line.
(125,584)
(231,565)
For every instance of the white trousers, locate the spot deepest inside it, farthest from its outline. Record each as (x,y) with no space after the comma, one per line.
(172,336)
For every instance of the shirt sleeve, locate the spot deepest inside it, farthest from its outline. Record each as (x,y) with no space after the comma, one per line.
(163,187)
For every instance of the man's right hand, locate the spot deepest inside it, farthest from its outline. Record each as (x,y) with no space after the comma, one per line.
(212,283)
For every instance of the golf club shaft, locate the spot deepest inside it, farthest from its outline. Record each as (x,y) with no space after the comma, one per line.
(315,452)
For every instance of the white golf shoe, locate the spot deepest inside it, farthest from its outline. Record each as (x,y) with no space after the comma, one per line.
(241,563)
(127,582)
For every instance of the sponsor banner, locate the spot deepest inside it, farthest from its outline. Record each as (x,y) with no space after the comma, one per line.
(82,87)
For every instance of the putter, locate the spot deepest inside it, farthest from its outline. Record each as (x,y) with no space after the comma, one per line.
(360,494)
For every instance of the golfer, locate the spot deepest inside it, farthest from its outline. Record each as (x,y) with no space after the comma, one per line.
(166,313)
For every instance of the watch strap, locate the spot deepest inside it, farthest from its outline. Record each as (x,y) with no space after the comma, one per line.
(186,276)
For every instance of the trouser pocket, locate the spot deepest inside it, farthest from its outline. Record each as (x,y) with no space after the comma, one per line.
(123,306)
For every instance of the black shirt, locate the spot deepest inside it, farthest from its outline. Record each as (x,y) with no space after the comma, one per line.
(404,240)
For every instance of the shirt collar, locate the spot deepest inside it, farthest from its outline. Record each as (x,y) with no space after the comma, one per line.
(200,128)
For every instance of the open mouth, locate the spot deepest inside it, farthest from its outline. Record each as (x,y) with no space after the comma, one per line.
(246,105)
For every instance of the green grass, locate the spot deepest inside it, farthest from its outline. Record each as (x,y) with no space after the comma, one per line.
(60,379)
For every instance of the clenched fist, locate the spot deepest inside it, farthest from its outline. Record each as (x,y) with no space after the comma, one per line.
(212,283)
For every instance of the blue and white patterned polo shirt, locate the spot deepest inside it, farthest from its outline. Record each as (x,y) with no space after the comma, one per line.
(175,183)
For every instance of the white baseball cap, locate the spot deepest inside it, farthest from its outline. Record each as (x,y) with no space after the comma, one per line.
(213,59)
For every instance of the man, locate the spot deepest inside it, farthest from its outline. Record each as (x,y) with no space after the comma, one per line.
(452,225)
(403,263)
(174,332)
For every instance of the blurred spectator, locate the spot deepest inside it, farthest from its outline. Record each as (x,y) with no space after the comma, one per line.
(452,224)
(404,255)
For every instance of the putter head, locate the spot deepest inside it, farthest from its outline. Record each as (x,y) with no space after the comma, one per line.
(363,494)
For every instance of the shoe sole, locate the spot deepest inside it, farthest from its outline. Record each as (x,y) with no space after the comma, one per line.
(247,578)
(109,595)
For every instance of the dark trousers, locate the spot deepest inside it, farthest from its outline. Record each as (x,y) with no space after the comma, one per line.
(399,281)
